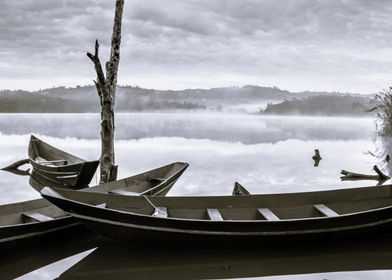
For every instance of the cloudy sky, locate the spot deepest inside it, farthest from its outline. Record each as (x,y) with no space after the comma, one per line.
(333,45)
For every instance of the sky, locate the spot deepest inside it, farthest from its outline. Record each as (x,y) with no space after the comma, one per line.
(318,45)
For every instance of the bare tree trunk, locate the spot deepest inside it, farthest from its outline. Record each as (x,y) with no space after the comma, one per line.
(106,88)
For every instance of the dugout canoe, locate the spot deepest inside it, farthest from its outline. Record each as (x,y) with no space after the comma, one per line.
(248,218)
(59,165)
(26,220)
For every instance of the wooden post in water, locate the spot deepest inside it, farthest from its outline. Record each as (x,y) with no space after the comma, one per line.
(106,88)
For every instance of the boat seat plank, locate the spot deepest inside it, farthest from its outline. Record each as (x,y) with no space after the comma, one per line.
(268,214)
(45,162)
(156,179)
(325,210)
(214,214)
(160,212)
(37,216)
(68,176)
(124,192)
(102,205)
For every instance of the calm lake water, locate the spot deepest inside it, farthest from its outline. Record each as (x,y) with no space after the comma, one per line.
(265,154)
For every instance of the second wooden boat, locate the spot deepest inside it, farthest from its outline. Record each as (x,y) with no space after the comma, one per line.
(249,218)
(36,218)
(60,166)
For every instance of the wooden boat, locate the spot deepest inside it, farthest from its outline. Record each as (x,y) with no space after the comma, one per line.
(34,218)
(60,166)
(250,218)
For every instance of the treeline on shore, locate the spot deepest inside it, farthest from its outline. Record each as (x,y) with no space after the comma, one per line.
(41,103)
(323,105)
(135,99)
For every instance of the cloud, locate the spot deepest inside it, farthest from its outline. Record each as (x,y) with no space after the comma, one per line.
(303,44)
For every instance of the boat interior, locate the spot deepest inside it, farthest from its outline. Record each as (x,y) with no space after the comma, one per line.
(46,154)
(155,182)
(270,207)
(39,210)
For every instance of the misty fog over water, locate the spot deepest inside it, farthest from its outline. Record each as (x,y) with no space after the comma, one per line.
(243,128)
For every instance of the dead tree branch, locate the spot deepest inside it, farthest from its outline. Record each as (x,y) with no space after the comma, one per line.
(352,176)
(106,88)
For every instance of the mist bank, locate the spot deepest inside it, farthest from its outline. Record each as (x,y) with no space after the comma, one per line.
(247,99)
(323,105)
(248,129)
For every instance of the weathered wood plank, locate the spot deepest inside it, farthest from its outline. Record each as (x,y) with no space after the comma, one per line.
(37,216)
(156,179)
(102,205)
(214,214)
(124,192)
(268,214)
(48,162)
(325,210)
(160,212)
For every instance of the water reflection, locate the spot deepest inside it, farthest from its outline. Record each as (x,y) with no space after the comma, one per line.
(265,154)
(286,166)
(15,263)
(247,129)
(147,261)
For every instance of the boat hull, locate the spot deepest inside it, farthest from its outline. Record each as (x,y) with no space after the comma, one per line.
(129,233)
(126,226)
(76,175)
(13,234)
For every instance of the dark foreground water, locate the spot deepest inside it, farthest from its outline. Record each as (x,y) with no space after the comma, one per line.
(265,154)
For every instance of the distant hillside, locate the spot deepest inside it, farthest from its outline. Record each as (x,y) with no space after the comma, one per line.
(248,99)
(326,105)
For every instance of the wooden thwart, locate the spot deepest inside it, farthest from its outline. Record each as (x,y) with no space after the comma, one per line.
(102,205)
(68,176)
(214,214)
(160,212)
(156,179)
(268,214)
(325,210)
(124,192)
(37,216)
(53,161)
